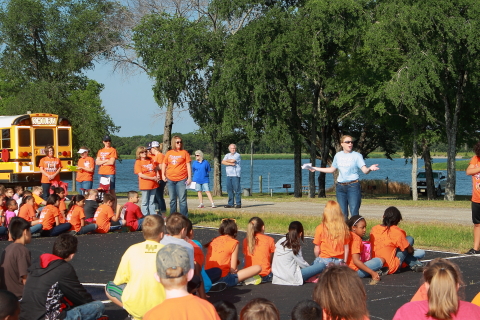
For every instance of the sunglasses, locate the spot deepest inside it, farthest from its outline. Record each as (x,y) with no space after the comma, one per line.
(228,219)
(197,155)
(178,142)
(348,142)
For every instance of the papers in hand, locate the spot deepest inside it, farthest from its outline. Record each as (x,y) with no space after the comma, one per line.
(192,185)
(307,166)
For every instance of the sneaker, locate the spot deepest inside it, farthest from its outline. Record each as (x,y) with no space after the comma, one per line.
(238,206)
(73,233)
(213,205)
(255,280)
(417,267)
(36,235)
(201,205)
(217,287)
(382,271)
(473,251)
(228,206)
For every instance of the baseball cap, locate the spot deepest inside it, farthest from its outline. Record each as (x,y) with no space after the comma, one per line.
(155,144)
(107,138)
(148,146)
(173,261)
(82,150)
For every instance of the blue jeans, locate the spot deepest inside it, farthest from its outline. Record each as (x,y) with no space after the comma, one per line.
(311,271)
(46,190)
(3,230)
(214,274)
(323,262)
(87,311)
(87,228)
(374,264)
(233,190)
(85,185)
(161,206)
(349,196)
(61,228)
(178,189)
(148,202)
(140,222)
(36,228)
(410,259)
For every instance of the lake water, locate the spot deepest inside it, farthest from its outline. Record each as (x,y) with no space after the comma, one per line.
(275,173)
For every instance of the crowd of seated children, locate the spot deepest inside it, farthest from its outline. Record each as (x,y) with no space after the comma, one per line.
(76,216)
(258,249)
(288,266)
(105,219)
(16,258)
(393,245)
(130,212)
(134,288)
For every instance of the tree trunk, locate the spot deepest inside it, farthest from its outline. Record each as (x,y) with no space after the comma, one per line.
(217,168)
(414,165)
(313,157)
(297,167)
(428,171)
(167,131)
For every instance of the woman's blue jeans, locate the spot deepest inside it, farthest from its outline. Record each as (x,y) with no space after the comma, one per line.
(85,185)
(410,259)
(349,196)
(159,199)
(178,189)
(148,202)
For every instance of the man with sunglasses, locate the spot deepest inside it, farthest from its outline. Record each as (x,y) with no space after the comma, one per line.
(232,167)
(348,189)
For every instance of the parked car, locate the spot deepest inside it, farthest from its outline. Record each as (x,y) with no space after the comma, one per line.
(439,182)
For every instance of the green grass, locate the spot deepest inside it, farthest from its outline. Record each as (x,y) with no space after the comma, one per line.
(461,165)
(435,236)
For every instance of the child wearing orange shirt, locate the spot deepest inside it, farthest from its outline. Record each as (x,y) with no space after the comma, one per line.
(76,216)
(28,213)
(37,193)
(173,272)
(222,252)
(62,207)
(331,237)
(258,249)
(50,218)
(104,216)
(358,227)
(392,243)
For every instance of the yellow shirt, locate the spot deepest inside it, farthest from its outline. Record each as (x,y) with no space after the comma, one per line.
(137,269)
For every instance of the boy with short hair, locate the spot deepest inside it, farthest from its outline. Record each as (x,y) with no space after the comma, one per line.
(131,213)
(104,216)
(16,258)
(133,287)
(53,277)
(91,205)
(173,272)
(37,193)
(9,193)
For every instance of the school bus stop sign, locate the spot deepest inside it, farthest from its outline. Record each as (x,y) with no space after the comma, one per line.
(5,155)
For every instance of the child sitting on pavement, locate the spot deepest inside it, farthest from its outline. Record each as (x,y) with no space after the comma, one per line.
(91,205)
(9,193)
(52,221)
(12,206)
(37,193)
(16,258)
(76,216)
(54,277)
(131,213)
(133,287)
(62,207)
(105,218)
(28,213)
(173,272)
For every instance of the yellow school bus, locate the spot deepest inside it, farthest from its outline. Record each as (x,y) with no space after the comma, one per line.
(22,145)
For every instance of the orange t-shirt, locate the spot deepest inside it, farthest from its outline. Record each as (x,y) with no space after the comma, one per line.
(327,247)
(354,247)
(83,175)
(38,201)
(421,294)
(198,255)
(147,167)
(176,164)
(475,180)
(27,212)
(159,160)
(75,216)
(264,247)
(48,215)
(62,207)
(385,244)
(183,308)
(105,154)
(219,253)
(102,218)
(50,165)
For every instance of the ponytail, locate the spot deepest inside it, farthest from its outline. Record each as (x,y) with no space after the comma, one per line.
(294,237)
(255,225)
(444,279)
(75,200)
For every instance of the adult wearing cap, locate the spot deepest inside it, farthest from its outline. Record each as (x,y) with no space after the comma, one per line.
(177,173)
(85,169)
(158,156)
(105,161)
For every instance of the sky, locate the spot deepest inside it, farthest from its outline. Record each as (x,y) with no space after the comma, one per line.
(128,99)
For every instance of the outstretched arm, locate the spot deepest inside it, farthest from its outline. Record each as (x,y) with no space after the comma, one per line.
(324,170)
(373,167)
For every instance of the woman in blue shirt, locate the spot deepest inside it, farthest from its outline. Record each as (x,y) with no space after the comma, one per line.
(200,171)
(348,189)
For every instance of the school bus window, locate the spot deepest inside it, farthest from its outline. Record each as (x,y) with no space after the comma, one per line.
(63,138)
(24,137)
(5,138)
(43,137)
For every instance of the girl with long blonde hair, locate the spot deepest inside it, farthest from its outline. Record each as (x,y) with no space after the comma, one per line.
(332,236)
(258,248)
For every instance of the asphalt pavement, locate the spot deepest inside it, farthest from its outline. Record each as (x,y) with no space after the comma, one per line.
(98,257)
